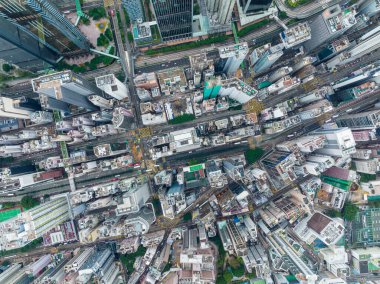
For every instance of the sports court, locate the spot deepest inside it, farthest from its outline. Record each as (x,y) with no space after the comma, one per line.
(7,214)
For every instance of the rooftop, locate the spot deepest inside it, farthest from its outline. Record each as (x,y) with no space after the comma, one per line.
(318,222)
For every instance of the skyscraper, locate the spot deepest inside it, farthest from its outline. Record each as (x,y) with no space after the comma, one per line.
(39,28)
(232,57)
(253,6)
(134,9)
(220,10)
(339,142)
(174,18)
(14,108)
(67,87)
(363,120)
(268,58)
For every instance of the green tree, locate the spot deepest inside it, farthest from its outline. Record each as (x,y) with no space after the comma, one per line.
(246,30)
(28,202)
(333,213)
(253,155)
(233,262)
(7,67)
(102,40)
(85,21)
(182,118)
(187,217)
(7,205)
(130,37)
(108,34)
(97,13)
(349,211)
(220,280)
(367,177)
(238,271)
(227,275)
(251,275)
(196,9)
(127,20)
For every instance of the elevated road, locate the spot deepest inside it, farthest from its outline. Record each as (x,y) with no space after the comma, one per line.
(307,10)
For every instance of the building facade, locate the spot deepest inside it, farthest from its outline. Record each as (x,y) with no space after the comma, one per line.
(174,18)
(39,28)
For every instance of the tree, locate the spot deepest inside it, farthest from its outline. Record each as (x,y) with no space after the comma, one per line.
(238,271)
(253,155)
(333,213)
(97,13)
(349,211)
(7,205)
(221,280)
(234,262)
(108,34)
(187,217)
(85,21)
(227,275)
(182,118)
(102,40)
(28,202)
(7,67)
(251,275)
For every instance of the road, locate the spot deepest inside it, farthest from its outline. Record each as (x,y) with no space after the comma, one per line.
(305,11)
(262,35)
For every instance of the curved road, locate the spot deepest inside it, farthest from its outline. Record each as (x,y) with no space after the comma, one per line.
(305,11)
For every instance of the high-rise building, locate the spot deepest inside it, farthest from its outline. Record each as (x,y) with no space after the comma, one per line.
(362,120)
(254,6)
(112,86)
(100,102)
(279,73)
(32,224)
(134,9)
(17,56)
(330,24)
(296,35)
(339,142)
(40,117)
(174,18)
(122,118)
(133,200)
(232,56)
(13,109)
(268,58)
(212,88)
(68,87)
(220,11)
(39,28)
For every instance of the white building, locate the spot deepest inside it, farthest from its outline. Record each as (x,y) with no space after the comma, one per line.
(296,35)
(237,90)
(133,200)
(100,102)
(339,142)
(32,224)
(370,166)
(112,86)
(320,226)
(40,117)
(306,144)
(10,108)
(336,261)
(235,55)
(220,11)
